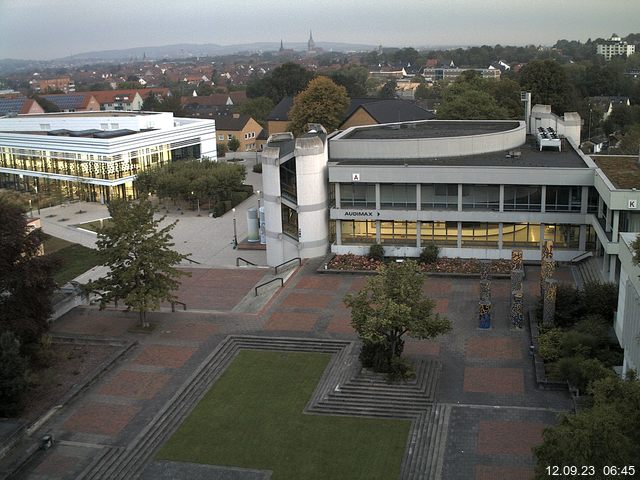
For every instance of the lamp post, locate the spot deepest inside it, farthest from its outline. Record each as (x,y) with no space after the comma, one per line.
(37,197)
(258,192)
(198,203)
(235,232)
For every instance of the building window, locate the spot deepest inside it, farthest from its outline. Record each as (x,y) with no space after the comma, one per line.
(563,236)
(289,221)
(481,197)
(563,199)
(440,233)
(522,198)
(357,232)
(439,196)
(288,185)
(398,233)
(592,200)
(521,235)
(221,137)
(398,195)
(229,136)
(480,234)
(592,238)
(357,195)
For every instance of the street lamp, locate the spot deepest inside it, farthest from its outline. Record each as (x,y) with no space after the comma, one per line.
(37,197)
(258,192)
(198,203)
(235,232)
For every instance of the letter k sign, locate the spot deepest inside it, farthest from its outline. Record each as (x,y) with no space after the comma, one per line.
(633,204)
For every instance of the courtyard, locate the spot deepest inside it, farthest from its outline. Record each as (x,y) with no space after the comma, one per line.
(486,385)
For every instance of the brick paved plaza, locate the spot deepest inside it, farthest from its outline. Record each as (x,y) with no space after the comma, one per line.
(497,412)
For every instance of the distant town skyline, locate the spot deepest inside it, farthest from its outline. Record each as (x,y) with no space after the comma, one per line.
(47,29)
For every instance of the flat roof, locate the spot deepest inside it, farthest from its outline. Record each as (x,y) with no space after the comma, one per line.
(530,157)
(622,170)
(430,129)
(100,113)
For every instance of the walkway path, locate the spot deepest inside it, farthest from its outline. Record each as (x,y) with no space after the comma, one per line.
(492,411)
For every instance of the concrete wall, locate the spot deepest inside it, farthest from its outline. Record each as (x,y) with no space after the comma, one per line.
(79,121)
(568,126)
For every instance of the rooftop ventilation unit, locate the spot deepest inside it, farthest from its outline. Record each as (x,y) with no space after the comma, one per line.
(548,137)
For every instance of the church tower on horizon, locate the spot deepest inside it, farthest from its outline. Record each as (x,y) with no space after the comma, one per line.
(311,45)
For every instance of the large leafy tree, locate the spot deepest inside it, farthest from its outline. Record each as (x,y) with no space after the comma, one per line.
(606,434)
(142,265)
(321,102)
(548,84)
(391,305)
(258,109)
(287,80)
(13,371)
(353,78)
(26,282)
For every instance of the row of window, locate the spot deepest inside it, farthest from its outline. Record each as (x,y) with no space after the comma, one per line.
(472,234)
(474,197)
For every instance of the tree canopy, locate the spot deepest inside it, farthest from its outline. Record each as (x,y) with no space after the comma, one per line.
(548,84)
(258,109)
(287,80)
(391,305)
(353,78)
(142,264)
(606,434)
(26,282)
(321,102)
(13,370)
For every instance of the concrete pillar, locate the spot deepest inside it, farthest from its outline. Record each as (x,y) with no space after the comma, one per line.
(582,242)
(616,225)
(543,199)
(459,197)
(459,234)
(484,315)
(607,222)
(418,197)
(337,195)
(500,235)
(584,203)
(612,268)
(549,302)
(517,309)
(418,235)
(338,232)
(501,205)
(377,197)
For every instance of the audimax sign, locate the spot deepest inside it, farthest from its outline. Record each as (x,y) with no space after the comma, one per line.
(361,213)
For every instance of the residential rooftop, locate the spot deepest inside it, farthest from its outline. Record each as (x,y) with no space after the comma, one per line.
(622,170)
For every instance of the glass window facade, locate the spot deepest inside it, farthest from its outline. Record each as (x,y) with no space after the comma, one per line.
(481,197)
(361,195)
(289,221)
(398,195)
(480,234)
(398,233)
(563,199)
(563,236)
(357,232)
(520,198)
(592,202)
(439,196)
(440,233)
(288,183)
(525,235)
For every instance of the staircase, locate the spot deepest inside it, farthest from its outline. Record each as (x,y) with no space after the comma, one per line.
(588,270)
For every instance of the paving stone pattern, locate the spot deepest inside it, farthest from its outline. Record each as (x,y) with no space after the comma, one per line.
(478,421)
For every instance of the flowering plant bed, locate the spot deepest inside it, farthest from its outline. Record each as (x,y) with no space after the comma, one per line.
(441,265)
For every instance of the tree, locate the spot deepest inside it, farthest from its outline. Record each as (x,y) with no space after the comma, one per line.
(141,263)
(288,79)
(630,143)
(604,435)
(233,144)
(13,371)
(388,90)
(321,102)
(353,78)
(391,305)
(221,149)
(470,104)
(258,109)
(548,84)
(26,281)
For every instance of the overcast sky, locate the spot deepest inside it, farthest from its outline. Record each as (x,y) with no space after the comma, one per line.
(45,29)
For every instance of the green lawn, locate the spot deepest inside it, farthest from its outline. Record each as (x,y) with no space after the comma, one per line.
(73,259)
(252,418)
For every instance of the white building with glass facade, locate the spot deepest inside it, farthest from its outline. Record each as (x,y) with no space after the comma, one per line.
(96,155)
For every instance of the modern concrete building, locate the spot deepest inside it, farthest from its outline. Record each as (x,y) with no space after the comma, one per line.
(477,189)
(96,155)
(614,47)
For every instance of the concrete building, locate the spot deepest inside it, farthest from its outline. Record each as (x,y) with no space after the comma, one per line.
(614,47)
(477,189)
(96,155)
(435,74)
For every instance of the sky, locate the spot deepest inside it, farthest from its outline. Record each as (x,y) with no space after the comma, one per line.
(47,29)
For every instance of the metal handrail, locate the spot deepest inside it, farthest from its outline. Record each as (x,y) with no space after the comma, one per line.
(582,256)
(288,261)
(267,283)
(192,261)
(173,305)
(245,261)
